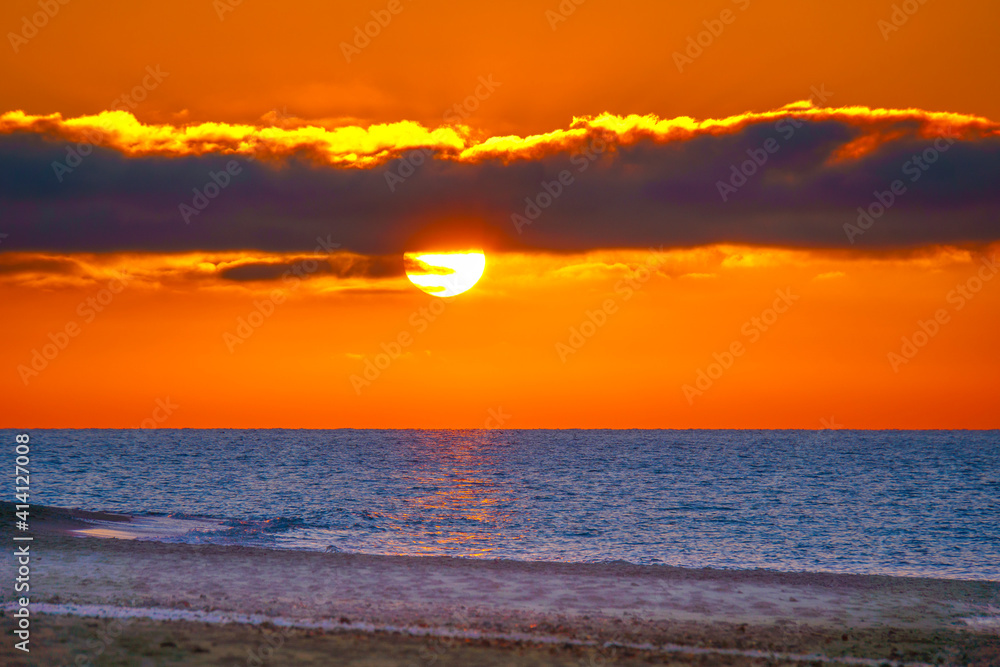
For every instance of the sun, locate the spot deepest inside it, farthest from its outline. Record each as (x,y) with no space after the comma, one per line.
(445,273)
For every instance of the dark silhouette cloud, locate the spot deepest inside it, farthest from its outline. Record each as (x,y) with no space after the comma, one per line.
(642,194)
(340,266)
(19,264)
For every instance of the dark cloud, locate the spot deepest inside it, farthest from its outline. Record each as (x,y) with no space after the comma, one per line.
(644,194)
(252,271)
(340,266)
(20,264)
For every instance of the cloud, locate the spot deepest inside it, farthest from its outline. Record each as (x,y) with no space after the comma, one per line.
(20,264)
(603,182)
(375,275)
(336,144)
(346,270)
(344,265)
(348,145)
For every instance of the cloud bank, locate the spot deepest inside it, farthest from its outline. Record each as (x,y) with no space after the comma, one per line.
(793,177)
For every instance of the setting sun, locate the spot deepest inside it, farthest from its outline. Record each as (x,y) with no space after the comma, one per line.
(726,395)
(447,273)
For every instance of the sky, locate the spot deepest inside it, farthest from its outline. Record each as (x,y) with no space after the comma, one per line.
(729,214)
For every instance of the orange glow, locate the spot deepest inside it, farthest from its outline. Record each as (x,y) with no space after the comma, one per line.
(355,146)
(613,57)
(488,84)
(461,490)
(828,356)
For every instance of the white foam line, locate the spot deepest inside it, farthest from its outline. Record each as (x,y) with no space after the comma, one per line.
(983,621)
(225,617)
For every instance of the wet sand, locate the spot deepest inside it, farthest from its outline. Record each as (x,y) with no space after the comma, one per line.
(215,605)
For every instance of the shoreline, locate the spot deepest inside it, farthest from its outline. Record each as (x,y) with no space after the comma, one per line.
(224,598)
(569,608)
(77,523)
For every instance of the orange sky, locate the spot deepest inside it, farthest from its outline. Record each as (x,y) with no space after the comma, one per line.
(615,57)
(277,72)
(496,347)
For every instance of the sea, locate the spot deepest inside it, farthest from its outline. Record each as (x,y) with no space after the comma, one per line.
(907,503)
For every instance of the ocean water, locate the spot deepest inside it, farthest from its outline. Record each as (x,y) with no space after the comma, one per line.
(923,503)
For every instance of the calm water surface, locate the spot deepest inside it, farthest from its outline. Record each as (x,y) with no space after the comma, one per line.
(894,502)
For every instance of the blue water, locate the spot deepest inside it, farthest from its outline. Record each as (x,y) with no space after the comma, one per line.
(893,502)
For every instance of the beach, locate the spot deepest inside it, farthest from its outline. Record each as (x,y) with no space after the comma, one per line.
(146,602)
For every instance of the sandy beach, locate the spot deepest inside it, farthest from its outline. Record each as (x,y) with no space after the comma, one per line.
(145,602)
